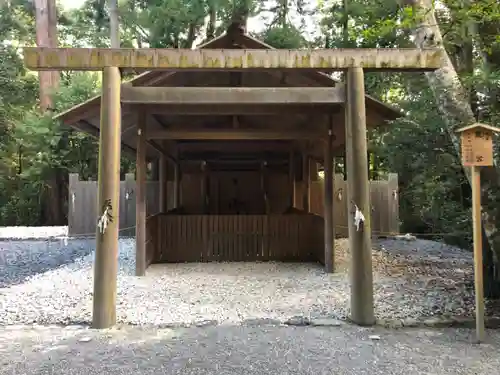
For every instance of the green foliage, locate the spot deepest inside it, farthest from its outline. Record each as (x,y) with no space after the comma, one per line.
(434,194)
(287,37)
(435,197)
(34,145)
(16,20)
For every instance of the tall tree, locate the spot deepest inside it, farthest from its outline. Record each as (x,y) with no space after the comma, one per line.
(45,11)
(453,102)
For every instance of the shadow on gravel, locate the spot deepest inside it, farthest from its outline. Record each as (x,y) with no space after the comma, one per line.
(242,350)
(20,259)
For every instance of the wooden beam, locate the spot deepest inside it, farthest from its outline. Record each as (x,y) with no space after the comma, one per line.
(155,119)
(234,147)
(291,178)
(225,156)
(106,266)
(232,135)
(389,59)
(156,146)
(264,182)
(238,109)
(253,162)
(204,187)
(140,198)
(177,185)
(163,169)
(358,188)
(328,204)
(155,169)
(232,95)
(306,180)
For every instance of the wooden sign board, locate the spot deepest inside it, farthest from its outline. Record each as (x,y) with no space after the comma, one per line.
(477,145)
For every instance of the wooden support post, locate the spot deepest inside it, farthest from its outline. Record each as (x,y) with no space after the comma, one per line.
(328,204)
(362,310)
(163,181)
(106,264)
(478,251)
(129,205)
(306,179)
(204,186)
(477,151)
(140,213)
(155,170)
(177,185)
(72,214)
(291,179)
(263,184)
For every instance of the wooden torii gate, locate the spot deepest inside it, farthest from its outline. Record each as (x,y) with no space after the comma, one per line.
(354,61)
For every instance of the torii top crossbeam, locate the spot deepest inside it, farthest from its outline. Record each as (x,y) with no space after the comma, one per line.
(389,59)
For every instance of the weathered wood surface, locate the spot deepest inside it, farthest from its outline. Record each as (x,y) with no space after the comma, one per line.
(153,236)
(163,183)
(140,203)
(46,36)
(358,194)
(234,238)
(478,252)
(108,198)
(227,135)
(237,109)
(384,205)
(82,212)
(232,95)
(328,202)
(392,59)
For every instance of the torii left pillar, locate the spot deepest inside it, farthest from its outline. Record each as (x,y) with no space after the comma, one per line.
(106,258)
(358,190)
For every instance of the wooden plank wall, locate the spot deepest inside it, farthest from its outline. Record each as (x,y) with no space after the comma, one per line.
(152,239)
(82,215)
(82,205)
(234,238)
(384,199)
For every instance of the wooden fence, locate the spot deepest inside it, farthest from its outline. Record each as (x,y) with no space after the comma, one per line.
(234,238)
(82,205)
(383,199)
(82,215)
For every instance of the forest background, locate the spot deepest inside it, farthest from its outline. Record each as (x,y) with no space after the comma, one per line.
(37,153)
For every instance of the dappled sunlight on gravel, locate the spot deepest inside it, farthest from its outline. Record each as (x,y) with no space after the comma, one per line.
(49,282)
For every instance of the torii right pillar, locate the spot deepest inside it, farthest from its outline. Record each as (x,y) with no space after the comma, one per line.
(358,191)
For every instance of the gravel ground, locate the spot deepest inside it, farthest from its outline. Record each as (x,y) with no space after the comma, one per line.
(32,232)
(242,350)
(413,279)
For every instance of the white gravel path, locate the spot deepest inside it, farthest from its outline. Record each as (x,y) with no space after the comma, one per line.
(412,280)
(33,232)
(246,350)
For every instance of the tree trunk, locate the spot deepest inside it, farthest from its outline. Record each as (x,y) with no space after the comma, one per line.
(210,34)
(283,13)
(239,16)
(452,101)
(42,24)
(114,24)
(191,35)
(52,18)
(53,212)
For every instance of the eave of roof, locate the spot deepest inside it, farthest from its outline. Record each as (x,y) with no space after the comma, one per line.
(75,115)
